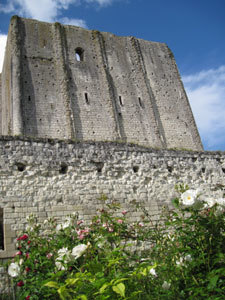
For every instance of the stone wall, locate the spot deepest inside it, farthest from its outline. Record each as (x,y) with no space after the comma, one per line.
(68,82)
(56,178)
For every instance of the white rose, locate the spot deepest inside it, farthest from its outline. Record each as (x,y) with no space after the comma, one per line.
(153,272)
(59,266)
(188,258)
(14,269)
(79,250)
(180,262)
(219,211)
(63,251)
(220,201)
(166,285)
(59,227)
(209,202)
(67,223)
(188,198)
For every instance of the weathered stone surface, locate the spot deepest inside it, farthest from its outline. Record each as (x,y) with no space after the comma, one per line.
(53,178)
(120,89)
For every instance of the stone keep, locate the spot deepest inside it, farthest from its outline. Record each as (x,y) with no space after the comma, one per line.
(67,82)
(64,92)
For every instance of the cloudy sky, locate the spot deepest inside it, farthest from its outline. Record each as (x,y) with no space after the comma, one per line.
(193,29)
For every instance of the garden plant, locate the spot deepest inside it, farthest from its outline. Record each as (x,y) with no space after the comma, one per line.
(181,256)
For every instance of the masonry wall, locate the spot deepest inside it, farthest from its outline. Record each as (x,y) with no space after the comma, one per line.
(53,178)
(120,89)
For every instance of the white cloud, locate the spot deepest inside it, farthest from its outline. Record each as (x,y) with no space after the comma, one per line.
(206,92)
(75,22)
(3,39)
(100,2)
(45,10)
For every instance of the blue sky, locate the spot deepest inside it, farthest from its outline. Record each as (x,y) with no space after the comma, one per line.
(193,29)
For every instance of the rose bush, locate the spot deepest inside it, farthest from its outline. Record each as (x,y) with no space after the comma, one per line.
(179,257)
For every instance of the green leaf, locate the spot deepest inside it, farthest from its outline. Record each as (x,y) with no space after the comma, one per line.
(82,297)
(102,289)
(119,289)
(52,284)
(175,202)
(71,281)
(213,282)
(63,293)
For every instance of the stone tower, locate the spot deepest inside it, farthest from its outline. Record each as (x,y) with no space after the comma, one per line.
(67,82)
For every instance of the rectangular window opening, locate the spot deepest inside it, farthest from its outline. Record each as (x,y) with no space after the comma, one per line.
(121,100)
(86,98)
(140,102)
(1,230)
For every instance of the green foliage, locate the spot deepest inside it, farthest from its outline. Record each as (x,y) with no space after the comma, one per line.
(183,257)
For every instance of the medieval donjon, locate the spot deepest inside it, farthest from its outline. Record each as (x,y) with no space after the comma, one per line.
(67,82)
(77,106)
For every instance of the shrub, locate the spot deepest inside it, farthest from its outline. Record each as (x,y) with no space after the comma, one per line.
(183,257)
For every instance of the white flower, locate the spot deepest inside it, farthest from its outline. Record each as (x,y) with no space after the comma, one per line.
(20,261)
(14,269)
(153,272)
(180,262)
(219,210)
(188,258)
(209,202)
(221,201)
(59,266)
(29,228)
(67,223)
(188,198)
(59,227)
(79,250)
(166,285)
(63,251)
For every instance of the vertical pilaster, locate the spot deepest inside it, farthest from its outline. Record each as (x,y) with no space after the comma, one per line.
(15,121)
(63,78)
(140,66)
(101,54)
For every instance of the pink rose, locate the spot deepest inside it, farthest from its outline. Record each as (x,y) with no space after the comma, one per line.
(120,221)
(81,236)
(80,222)
(124,212)
(49,255)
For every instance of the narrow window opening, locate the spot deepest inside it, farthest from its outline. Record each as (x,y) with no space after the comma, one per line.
(79,54)
(63,169)
(120,100)
(1,230)
(99,166)
(135,169)
(140,102)
(20,167)
(170,169)
(29,98)
(44,43)
(86,98)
